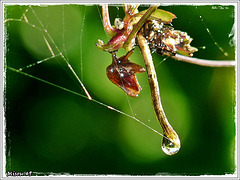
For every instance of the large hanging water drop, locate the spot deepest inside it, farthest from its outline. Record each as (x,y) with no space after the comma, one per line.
(170,147)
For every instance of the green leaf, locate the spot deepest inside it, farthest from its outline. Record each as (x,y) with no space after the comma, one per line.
(159,14)
(183,51)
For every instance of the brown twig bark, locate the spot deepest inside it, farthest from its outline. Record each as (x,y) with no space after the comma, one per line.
(171,141)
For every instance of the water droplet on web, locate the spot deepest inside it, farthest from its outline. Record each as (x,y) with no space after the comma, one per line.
(225,54)
(170,147)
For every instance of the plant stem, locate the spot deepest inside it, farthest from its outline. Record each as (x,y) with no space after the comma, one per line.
(127,45)
(202,62)
(155,93)
(110,31)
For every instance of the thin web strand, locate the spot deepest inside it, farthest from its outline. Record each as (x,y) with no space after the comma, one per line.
(22,21)
(99,13)
(44,30)
(211,36)
(49,46)
(38,62)
(83,96)
(24,16)
(64,58)
(101,18)
(215,42)
(20,70)
(81,44)
(128,100)
(63,33)
(129,104)
(164,59)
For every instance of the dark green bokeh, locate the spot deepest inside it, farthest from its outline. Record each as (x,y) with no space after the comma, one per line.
(51,130)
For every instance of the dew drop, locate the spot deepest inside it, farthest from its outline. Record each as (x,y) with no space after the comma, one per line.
(110,107)
(170,147)
(153,51)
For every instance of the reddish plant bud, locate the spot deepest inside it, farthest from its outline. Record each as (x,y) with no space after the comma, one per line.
(117,41)
(114,44)
(121,72)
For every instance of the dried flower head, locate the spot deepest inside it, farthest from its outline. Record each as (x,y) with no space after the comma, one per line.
(165,40)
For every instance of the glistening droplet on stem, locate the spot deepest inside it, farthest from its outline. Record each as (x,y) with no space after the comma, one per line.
(170,147)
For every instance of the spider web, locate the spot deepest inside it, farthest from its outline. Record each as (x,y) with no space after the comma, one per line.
(50,51)
(60,53)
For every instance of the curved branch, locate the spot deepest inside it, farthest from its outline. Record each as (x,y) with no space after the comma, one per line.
(109,29)
(202,62)
(171,141)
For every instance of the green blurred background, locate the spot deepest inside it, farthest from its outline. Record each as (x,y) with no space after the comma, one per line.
(51,130)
